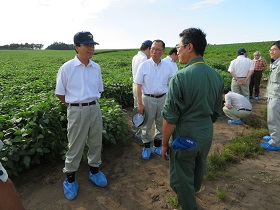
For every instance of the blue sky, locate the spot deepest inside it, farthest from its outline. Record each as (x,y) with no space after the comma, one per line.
(123,24)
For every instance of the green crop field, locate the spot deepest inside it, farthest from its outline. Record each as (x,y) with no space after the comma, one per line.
(33,121)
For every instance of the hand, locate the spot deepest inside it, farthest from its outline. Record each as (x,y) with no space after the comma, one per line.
(141,108)
(165,152)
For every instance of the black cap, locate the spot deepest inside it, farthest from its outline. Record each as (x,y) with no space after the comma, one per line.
(84,37)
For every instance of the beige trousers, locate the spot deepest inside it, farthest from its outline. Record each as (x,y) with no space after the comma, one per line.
(84,127)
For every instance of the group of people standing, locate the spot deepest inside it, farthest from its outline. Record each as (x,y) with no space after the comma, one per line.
(183,105)
(246,76)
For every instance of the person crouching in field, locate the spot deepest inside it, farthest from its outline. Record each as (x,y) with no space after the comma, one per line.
(236,107)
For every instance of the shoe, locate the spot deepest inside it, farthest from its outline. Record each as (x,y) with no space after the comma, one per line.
(237,122)
(251,97)
(146,153)
(70,189)
(157,150)
(267,138)
(98,179)
(268,146)
(257,98)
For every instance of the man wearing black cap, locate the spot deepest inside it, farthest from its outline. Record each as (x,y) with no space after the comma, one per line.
(78,85)
(142,55)
(241,70)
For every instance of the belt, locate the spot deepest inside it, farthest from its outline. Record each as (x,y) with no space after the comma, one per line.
(155,96)
(245,109)
(83,104)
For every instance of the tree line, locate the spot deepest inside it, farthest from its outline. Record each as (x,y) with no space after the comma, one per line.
(27,46)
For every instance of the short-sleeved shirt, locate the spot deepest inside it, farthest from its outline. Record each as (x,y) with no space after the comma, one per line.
(153,77)
(139,58)
(194,95)
(173,64)
(79,83)
(273,85)
(259,64)
(241,66)
(237,100)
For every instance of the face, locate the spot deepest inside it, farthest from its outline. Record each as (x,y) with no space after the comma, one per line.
(274,52)
(85,51)
(174,57)
(183,52)
(156,51)
(257,57)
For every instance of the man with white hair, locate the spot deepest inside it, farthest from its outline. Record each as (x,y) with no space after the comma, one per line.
(259,67)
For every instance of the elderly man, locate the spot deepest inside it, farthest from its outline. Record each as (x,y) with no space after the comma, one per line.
(152,80)
(259,67)
(241,70)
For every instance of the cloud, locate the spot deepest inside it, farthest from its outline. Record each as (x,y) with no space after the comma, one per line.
(204,4)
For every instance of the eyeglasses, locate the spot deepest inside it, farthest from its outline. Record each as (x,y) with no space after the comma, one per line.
(273,50)
(179,46)
(156,49)
(88,45)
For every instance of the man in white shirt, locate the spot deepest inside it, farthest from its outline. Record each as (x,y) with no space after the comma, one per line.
(236,107)
(142,55)
(241,70)
(152,80)
(78,85)
(172,58)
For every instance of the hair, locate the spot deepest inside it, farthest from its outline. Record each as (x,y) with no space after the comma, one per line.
(226,90)
(277,44)
(172,51)
(195,36)
(144,47)
(162,42)
(257,53)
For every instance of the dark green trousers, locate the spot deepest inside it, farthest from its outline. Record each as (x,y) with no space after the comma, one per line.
(187,168)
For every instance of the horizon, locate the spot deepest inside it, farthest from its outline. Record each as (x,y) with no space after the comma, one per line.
(125,24)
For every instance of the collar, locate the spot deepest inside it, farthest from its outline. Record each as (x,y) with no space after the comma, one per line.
(77,62)
(195,60)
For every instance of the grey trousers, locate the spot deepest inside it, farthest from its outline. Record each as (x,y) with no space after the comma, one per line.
(84,127)
(273,121)
(153,108)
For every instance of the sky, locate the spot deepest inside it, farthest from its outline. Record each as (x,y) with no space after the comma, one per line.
(125,24)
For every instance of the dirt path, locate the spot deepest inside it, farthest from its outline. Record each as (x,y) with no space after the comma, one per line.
(135,184)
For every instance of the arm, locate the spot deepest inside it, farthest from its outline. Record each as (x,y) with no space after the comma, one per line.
(167,130)
(248,76)
(139,99)
(61,98)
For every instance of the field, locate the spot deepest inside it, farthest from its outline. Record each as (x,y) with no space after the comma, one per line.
(33,122)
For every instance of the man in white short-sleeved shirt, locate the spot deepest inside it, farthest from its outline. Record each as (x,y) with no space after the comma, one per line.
(172,58)
(78,85)
(241,70)
(152,80)
(142,55)
(236,107)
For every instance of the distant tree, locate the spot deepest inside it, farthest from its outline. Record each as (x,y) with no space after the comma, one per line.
(60,46)
(26,46)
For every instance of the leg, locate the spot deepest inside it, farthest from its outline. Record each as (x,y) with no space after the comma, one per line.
(273,121)
(257,80)
(251,85)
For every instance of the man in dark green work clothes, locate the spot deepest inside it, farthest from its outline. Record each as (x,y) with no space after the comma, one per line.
(193,103)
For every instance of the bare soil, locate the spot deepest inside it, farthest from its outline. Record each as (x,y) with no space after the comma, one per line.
(136,184)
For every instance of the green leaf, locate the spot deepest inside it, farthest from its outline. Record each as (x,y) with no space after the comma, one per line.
(40,136)
(26,161)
